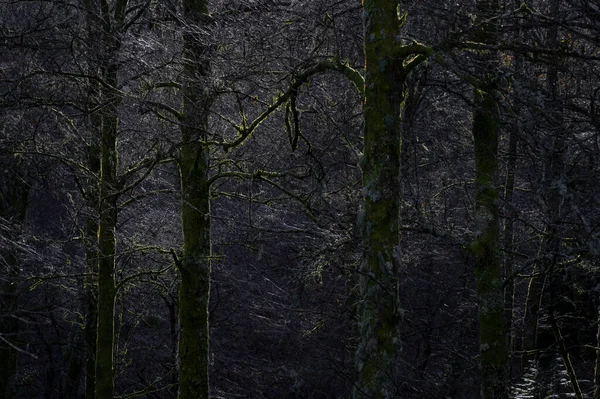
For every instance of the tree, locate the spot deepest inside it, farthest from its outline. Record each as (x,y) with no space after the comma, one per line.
(388,63)
(486,243)
(112,27)
(193,162)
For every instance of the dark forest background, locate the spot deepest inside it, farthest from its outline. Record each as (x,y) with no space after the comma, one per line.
(282,138)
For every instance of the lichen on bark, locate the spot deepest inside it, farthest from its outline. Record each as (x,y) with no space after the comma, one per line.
(380,314)
(485,247)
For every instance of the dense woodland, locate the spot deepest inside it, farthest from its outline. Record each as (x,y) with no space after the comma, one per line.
(299,199)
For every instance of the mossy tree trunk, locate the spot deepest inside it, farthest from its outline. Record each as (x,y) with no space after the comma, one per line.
(112,22)
(195,265)
(486,252)
(388,62)
(485,247)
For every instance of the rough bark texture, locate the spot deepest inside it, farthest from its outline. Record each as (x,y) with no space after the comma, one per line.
(485,250)
(486,243)
(106,261)
(193,166)
(111,43)
(380,314)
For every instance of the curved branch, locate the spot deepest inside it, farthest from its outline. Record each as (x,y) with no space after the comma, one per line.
(246,130)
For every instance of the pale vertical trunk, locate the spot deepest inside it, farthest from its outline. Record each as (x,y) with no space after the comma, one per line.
(195,268)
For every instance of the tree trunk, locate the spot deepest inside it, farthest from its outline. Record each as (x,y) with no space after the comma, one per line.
(106,259)
(107,244)
(195,265)
(379,312)
(486,252)
(486,243)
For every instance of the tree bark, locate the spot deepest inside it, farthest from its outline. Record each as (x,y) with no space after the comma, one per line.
(379,312)
(107,244)
(195,267)
(106,260)
(486,243)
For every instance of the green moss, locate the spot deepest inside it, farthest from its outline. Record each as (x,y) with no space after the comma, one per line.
(385,78)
